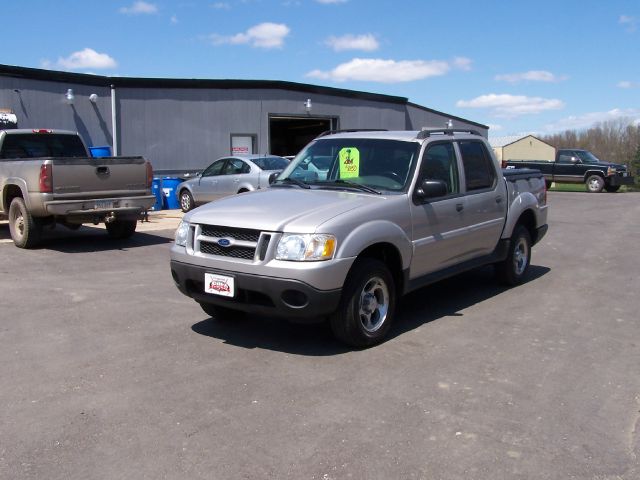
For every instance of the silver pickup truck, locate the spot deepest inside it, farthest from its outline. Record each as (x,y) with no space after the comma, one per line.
(354,222)
(47,177)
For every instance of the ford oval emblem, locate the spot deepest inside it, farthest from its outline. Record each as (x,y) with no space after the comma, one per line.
(224,242)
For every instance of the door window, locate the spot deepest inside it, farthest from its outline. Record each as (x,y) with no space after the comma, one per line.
(479,172)
(439,163)
(214,169)
(235,166)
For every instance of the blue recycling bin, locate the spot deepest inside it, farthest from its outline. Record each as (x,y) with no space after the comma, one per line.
(169,187)
(156,189)
(100,151)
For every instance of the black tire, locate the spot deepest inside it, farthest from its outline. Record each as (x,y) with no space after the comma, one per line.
(121,229)
(594,184)
(367,306)
(513,270)
(220,313)
(186,201)
(611,188)
(548,183)
(24,228)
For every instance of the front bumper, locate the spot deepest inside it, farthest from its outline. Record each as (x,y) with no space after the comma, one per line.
(287,298)
(617,180)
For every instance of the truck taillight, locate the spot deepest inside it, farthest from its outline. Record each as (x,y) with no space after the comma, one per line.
(46,178)
(149,174)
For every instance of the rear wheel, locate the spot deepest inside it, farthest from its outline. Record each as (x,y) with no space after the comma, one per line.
(513,269)
(121,229)
(595,184)
(367,306)
(186,201)
(611,188)
(24,228)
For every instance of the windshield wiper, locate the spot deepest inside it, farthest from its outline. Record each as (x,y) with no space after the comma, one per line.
(295,181)
(346,183)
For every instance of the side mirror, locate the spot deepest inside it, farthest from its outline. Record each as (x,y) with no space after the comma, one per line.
(273,176)
(431,189)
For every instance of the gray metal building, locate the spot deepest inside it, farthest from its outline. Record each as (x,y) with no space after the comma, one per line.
(181,125)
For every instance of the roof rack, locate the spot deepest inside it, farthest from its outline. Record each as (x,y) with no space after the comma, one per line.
(427,132)
(352,130)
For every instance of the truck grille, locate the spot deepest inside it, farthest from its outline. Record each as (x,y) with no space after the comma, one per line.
(241,243)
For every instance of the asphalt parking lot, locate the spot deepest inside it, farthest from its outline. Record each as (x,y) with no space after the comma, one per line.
(109,372)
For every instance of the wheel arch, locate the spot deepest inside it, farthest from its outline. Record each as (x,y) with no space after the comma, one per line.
(589,173)
(388,254)
(11,190)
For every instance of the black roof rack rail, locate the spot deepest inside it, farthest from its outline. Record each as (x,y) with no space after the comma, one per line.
(351,130)
(427,132)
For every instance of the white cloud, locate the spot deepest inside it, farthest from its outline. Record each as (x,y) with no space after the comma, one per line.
(530,76)
(510,106)
(384,71)
(366,42)
(462,63)
(577,122)
(631,23)
(263,35)
(140,8)
(221,6)
(495,127)
(87,58)
(327,2)
(173,19)
(627,84)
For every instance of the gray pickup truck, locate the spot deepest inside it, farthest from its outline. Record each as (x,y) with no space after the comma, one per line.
(47,177)
(354,222)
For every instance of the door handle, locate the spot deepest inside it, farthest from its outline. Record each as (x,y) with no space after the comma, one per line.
(102,170)
(459,207)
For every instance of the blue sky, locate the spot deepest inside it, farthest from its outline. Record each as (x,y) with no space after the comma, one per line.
(518,66)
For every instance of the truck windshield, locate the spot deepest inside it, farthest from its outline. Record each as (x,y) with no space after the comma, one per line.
(34,145)
(587,157)
(379,164)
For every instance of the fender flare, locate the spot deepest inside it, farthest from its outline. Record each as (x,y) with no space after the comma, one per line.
(526,201)
(377,232)
(24,190)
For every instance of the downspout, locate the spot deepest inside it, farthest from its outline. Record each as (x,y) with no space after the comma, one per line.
(114,122)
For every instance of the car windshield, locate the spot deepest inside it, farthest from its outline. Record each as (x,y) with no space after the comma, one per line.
(353,163)
(271,163)
(587,157)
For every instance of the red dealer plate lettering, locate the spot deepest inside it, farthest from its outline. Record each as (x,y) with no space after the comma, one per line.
(219,285)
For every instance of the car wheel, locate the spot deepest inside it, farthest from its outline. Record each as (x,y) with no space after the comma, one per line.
(220,313)
(121,229)
(186,201)
(24,228)
(513,269)
(366,309)
(595,184)
(611,188)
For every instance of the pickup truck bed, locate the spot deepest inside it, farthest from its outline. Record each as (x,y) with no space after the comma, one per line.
(46,177)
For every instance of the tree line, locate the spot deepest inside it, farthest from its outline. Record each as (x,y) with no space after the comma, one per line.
(616,141)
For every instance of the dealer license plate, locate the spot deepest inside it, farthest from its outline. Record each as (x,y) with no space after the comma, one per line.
(103,204)
(219,284)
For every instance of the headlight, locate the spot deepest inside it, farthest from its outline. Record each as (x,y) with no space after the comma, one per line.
(306,248)
(182,234)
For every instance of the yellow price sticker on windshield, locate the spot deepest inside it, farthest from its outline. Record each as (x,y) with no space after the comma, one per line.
(349,162)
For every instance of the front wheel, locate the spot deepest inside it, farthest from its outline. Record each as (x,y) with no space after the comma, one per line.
(512,270)
(186,201)
(611,188)
(24,228)
(367,306)
(595,184)
(121,229)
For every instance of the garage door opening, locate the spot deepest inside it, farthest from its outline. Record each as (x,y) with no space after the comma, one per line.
(288,135)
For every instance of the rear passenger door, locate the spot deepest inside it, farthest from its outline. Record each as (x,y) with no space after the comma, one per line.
(485,194)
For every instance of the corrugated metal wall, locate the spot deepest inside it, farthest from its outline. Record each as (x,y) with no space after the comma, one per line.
(184,129)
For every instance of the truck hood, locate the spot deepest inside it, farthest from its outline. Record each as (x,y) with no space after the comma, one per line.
(281,209)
